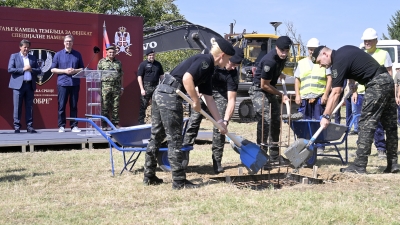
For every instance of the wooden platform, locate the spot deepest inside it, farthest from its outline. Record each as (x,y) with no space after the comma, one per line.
(48,137)
(52,137)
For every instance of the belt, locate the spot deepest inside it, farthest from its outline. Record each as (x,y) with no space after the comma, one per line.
(155,83)
(28,81)
(375,76)
(171,81)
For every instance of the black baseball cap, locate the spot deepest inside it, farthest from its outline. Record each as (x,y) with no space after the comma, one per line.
(284,42)
(225,46)
(316,52)
(238,57)
(110,47)
(149,51)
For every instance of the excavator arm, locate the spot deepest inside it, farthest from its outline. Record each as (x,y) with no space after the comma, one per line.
(167,36)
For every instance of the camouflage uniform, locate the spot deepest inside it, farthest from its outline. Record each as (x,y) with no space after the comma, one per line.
(167,121)
(194,124)
(379,105)
(110,89)
(257,95)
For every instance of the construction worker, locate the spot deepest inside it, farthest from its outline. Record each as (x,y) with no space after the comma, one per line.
(263,93)
(312,86)
(350,62)
(370,39)
(167,109)
(225,84)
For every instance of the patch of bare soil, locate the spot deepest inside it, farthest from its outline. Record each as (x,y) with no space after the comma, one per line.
(206,172)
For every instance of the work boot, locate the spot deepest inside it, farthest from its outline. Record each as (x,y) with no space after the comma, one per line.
(352,168)
(392,166)
(217,166)
(382,154)
(279,160)
(179,184)
(154,180)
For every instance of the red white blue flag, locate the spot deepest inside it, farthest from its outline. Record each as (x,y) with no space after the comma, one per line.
(106,42)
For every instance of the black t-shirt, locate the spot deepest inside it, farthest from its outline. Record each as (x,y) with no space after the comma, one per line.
(225,80)
(201,67)
(269,68)
(150,72)
(350,62)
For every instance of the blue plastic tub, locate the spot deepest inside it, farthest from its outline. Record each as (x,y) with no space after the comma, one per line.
(135,136)
(306,129)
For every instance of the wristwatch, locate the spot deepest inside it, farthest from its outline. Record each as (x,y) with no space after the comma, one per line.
(227,122)
(326,116)
(122,89)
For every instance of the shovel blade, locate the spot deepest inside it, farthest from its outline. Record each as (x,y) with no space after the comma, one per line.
(253,157)
(297,153)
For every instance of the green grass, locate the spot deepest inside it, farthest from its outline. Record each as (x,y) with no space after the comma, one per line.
(76,187)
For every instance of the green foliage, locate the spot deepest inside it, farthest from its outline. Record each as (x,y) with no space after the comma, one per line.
(152,11)
(394,27)
(169,60)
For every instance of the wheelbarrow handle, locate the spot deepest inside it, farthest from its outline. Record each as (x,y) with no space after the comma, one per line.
(231,136)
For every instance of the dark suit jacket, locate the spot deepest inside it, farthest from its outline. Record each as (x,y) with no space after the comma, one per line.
(16,69)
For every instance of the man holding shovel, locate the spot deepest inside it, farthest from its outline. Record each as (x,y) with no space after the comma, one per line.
(350,62)
(263,93)
(224,88)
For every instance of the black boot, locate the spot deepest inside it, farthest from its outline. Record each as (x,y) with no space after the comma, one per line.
(352,168)
(217,166)
(154,180)
(179,184)
(392,166)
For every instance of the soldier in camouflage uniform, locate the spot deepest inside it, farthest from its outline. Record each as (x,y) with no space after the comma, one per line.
(149,73)
(269,70)
(225,84)
(111,86)
(350,62)
(167,109)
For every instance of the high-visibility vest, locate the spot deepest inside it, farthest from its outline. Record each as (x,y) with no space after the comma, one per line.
(313,80)
(380,56)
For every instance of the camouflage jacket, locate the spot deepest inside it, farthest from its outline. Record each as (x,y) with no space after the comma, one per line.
(112,66)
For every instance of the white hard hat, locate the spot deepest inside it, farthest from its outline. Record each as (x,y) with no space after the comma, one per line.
(313,43)
(396,65)
(362,45)
(369,34)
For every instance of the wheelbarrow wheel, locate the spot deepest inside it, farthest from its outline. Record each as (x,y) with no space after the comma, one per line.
(163,163)
(310,162)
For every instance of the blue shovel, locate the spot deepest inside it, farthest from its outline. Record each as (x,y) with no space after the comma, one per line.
(250,153)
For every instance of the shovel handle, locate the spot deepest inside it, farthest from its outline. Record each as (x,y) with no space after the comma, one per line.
(231,136)
(285,93)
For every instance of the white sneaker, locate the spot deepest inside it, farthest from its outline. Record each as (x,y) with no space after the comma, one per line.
(61,130)
(75,130)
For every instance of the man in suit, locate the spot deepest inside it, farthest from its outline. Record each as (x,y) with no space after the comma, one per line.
(24,70)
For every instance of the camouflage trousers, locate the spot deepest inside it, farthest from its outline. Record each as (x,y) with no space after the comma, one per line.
(272,109)
(379,105)
(110,95)
(167,122)
(193,127)
(145,99)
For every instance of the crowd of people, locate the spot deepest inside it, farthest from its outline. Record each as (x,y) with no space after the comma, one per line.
(211,81)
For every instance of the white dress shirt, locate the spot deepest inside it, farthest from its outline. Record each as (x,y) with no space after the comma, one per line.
(27,74)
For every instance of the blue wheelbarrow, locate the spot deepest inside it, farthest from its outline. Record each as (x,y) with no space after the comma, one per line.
(334,135)
(132,140)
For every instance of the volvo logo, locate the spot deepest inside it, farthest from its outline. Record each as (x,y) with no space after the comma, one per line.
(152,44)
